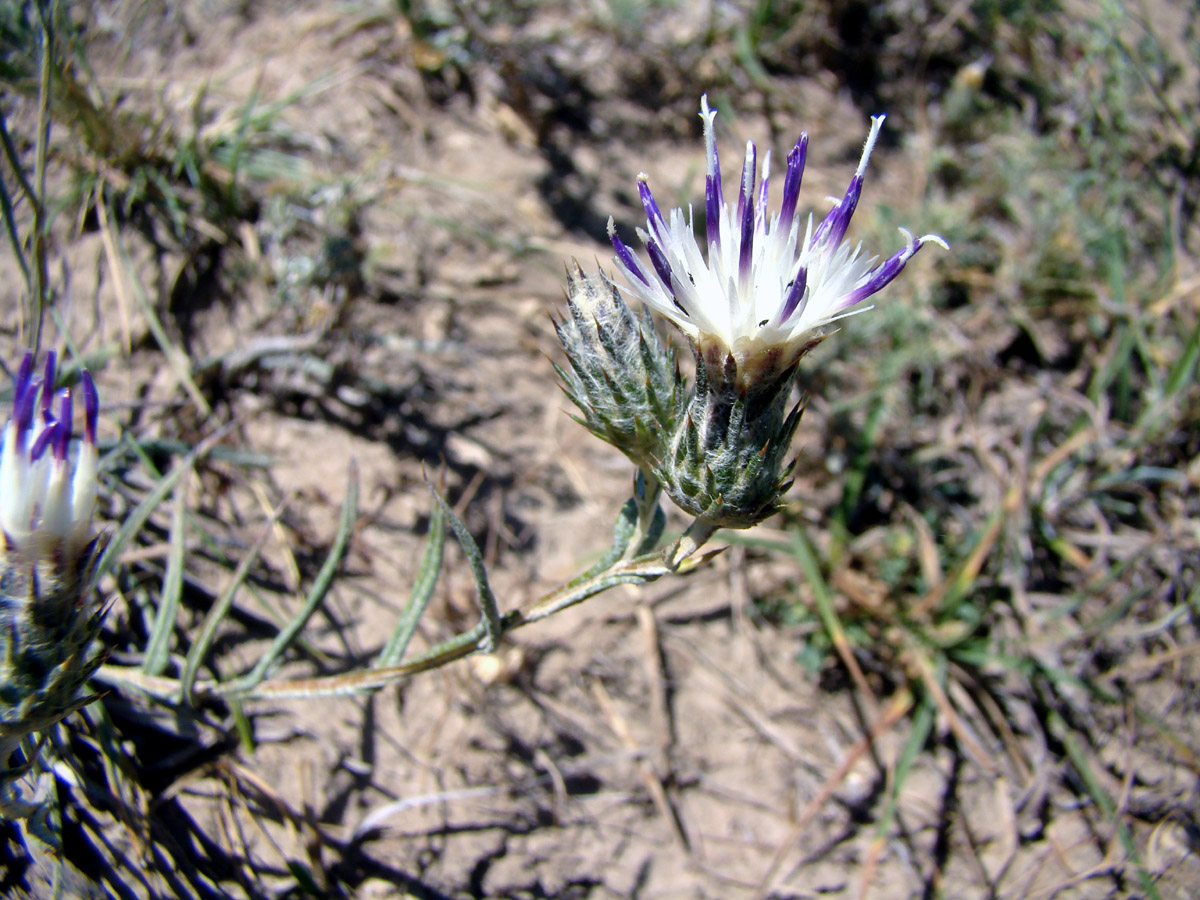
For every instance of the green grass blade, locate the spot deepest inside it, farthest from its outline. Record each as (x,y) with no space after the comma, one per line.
(1123,344)
(1181,374)
(1103,801)
(236,456)
(1183,370)
(137,518)
(317,593)
(158,648)
(427,578)
(14,158)
(804,554)
(922,725)
(6,204)
(854,478)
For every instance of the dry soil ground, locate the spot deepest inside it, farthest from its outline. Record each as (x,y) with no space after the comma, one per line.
(657,743)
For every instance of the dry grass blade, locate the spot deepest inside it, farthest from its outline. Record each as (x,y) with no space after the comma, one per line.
(123,270)
(970,742)
(316,594)
(897,708)
(959,583)
(653,783)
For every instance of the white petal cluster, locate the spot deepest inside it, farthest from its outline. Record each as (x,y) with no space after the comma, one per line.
(763,279)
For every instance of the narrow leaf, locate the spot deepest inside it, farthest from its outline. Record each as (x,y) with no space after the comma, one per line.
(427,577)
(487,600)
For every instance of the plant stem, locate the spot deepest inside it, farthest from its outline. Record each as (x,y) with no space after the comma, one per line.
(40,292)
(639,570)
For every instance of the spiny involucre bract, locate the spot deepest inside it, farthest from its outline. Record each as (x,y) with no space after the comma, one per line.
(624,381)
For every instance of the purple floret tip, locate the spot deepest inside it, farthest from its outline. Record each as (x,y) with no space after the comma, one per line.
(884,273)
(653,214)
(26,370)
(746,189)
(45,436)
(833,227)
(623,253)
(24,401)
(24,377)
(746,214)
(794,295)
(791,181)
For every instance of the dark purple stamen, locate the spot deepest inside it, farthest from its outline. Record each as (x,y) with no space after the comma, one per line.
(791,182)
(24,397)
(712,209)
(24,377)
(833,227)
(661,266)
(746,215)
(713,198)
(795,295)
(91,407)
(746,253)
(48,384)
(627,258)
(62,436)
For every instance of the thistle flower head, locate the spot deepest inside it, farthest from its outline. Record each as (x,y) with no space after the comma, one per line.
(47,493)
(766,283)
(48,614)
(753,299)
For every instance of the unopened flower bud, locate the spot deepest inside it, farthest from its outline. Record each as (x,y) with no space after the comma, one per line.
(619,374)
(727,463)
